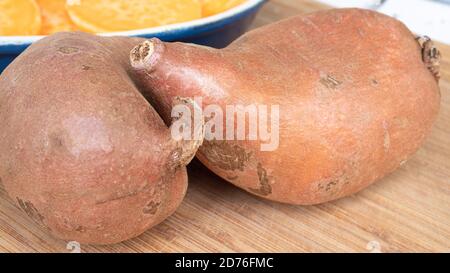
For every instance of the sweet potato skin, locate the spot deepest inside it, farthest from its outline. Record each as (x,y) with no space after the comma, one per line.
(81,151)
(356,101)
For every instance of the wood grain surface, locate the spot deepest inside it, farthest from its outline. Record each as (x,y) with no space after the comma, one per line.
(408,211)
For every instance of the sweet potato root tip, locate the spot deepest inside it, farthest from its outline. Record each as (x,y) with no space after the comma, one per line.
(146,54)
(141,51)
(431,55)
(187,148)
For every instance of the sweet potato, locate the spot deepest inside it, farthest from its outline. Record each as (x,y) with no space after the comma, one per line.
(81,151)
(357,94)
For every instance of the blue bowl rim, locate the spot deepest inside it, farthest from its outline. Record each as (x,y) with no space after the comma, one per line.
(200,25)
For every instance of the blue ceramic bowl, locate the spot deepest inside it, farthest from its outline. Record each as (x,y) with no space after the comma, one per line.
(216,31)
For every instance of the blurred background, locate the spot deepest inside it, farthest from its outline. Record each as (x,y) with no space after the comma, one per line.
(209,22)
(431,17)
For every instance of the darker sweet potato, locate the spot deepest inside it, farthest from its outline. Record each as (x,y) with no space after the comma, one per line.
(81,151)
(357,92)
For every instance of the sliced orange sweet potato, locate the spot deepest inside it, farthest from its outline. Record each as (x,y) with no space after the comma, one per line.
(54,16)
(212,7)
(19,17)
(119,15)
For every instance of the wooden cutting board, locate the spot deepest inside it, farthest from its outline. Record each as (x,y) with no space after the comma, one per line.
(407,211)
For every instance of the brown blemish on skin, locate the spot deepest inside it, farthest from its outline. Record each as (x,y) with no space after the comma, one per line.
(86,67)
(334,185)
(56,141)
(31,211)
(173,163)
(151,208)
(375,82)
(328,185)
(68,50)
(156,190)
(117,197)
(226,156)
(275,50)
(265,187)
(80,229)
(330,82)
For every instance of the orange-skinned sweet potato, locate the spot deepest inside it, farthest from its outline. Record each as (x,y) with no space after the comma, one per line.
(358,93)
(81,151)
